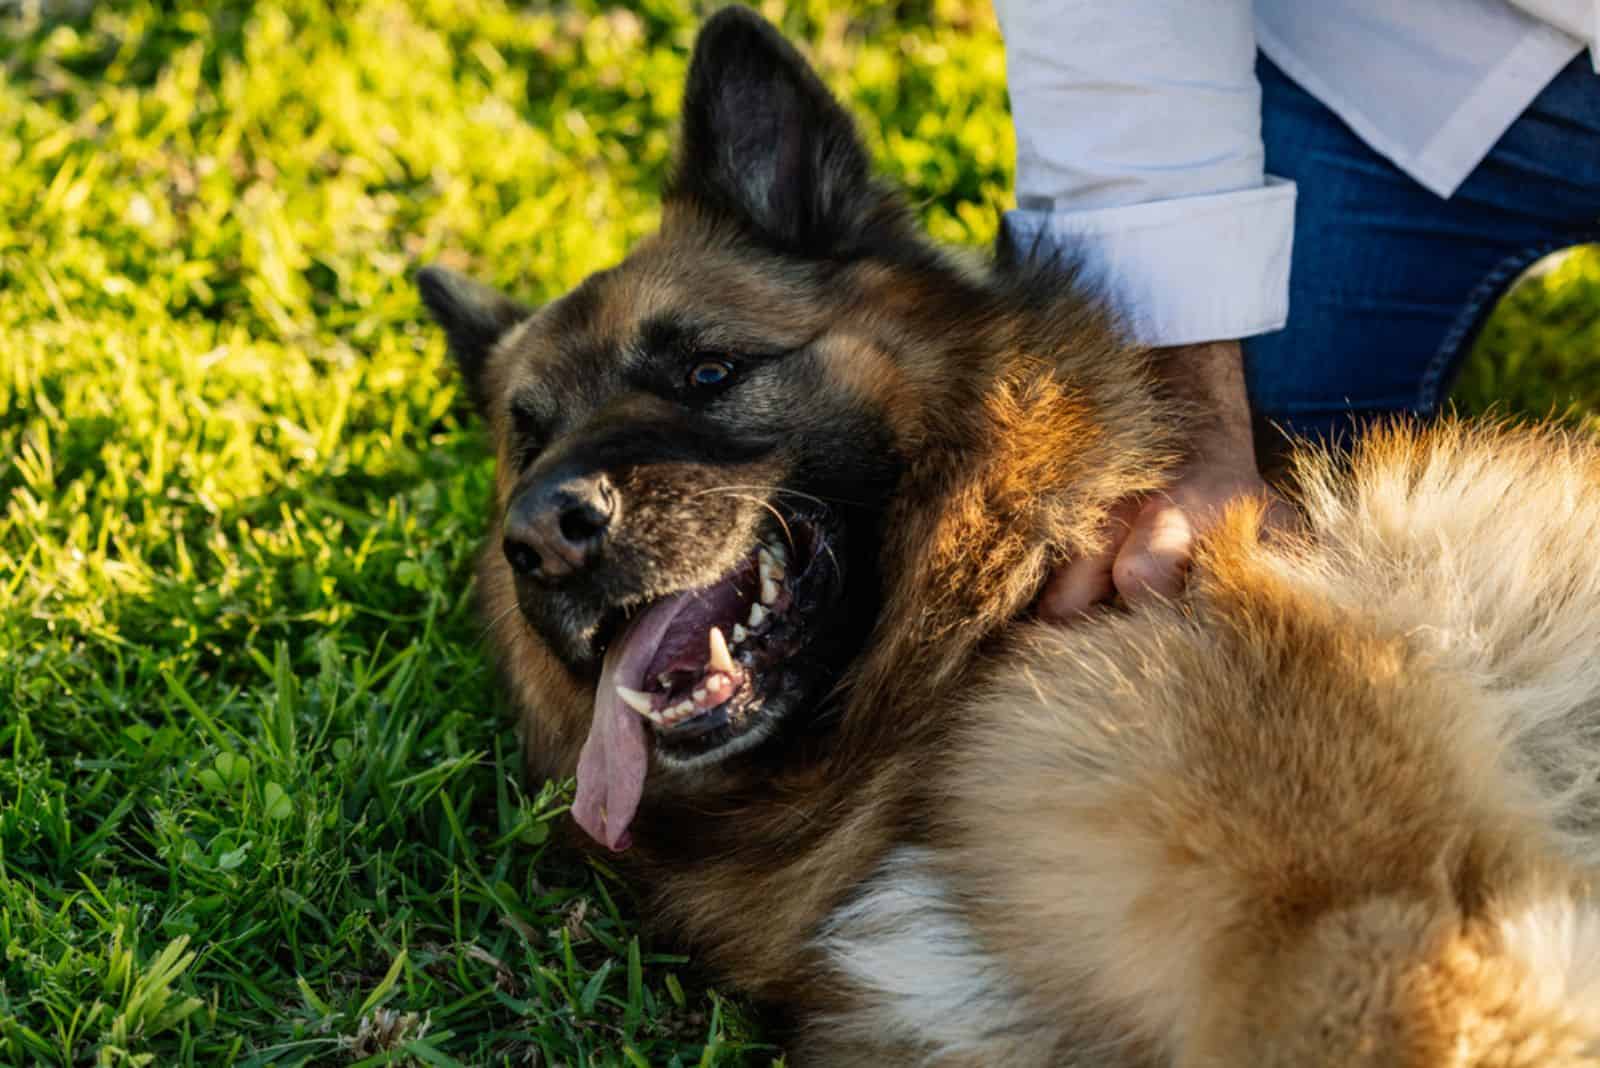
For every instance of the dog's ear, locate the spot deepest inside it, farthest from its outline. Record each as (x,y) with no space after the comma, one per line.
(765,142)
(474,317)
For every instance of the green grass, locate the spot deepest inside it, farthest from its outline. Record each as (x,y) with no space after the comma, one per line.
(258,803)
(1539,354)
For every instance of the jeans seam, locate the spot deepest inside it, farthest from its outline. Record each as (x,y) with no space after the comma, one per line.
(1475,312)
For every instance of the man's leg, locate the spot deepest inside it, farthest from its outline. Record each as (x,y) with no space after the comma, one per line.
(1390,283)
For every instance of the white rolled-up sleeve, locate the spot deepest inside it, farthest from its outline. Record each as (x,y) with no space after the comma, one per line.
(1139,156)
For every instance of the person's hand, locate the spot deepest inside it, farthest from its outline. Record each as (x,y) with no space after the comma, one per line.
(1149,540)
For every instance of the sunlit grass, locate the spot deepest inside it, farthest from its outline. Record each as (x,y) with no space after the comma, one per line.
(257,801)
(1540,352)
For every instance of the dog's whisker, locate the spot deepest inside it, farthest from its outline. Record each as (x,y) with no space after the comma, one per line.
(729,491)
(827,548)
(788,535)
(495,622)
(780,491)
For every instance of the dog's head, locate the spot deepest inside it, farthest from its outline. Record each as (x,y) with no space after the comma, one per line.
(696,447)
(707,454)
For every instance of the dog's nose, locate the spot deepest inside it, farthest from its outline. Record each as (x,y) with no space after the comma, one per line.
(555,527)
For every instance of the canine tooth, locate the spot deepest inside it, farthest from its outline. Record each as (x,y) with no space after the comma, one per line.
(637,701)
(720,660)
(739,633)
(769,591)
(779,553)
(757,614)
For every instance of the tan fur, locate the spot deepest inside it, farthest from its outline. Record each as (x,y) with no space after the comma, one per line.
(1298,818)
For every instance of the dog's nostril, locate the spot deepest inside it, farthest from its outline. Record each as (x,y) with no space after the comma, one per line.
(583,523)
(556,528)
(523,558)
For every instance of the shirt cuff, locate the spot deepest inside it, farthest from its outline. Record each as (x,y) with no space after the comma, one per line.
(1179,272)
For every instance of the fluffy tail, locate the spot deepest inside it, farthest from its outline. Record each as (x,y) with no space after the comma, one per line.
(1484,544)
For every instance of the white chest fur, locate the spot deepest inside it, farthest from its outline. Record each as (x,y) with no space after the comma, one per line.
(923,977)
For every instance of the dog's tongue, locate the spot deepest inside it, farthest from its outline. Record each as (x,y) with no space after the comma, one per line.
(612,764)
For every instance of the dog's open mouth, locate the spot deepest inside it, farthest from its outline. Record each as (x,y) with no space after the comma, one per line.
(706,672)
(700,669)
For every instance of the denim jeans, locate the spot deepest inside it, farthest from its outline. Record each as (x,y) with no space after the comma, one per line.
(1389,284)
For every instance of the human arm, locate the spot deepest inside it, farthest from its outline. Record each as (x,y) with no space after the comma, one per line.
(1139,157)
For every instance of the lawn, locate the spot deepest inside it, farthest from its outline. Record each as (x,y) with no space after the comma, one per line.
(258,802)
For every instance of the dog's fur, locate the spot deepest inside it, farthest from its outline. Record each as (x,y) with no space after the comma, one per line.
(1336,806)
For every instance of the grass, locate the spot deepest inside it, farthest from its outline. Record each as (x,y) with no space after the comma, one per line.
(258,804)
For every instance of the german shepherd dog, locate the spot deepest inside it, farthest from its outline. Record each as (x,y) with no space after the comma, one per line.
(775,497)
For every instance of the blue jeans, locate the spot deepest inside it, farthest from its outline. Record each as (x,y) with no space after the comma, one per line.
(1389,283)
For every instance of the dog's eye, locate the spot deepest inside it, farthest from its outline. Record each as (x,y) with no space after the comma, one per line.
(710,371)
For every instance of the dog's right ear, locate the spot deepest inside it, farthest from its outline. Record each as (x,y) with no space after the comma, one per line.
(474,318)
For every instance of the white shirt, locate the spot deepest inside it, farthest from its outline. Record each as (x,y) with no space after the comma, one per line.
(1139,129)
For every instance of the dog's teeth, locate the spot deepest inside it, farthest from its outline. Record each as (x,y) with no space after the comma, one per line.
(699,695)
(680,712)
(779,553)
(637,701)
(739,633)
(770,568)
(720,659)
(720,688)
(757,614)
(769,591)
(665,679)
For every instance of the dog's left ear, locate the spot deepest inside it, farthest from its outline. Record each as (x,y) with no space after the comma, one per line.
(765,142)
(474,318)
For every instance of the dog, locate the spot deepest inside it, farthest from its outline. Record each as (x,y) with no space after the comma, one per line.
(774,499)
